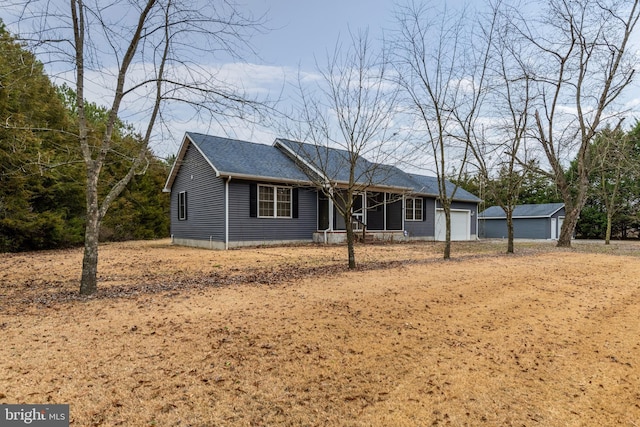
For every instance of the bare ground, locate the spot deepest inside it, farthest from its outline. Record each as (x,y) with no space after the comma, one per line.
(286,336)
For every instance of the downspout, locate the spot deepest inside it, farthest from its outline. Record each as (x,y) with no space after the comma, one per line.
(226,213)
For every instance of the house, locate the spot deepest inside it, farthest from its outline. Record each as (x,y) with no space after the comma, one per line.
(229,193)
(535,221)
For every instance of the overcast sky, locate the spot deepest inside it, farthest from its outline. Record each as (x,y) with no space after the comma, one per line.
(300,31)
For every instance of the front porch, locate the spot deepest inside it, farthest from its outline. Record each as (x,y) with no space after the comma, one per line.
(338,237)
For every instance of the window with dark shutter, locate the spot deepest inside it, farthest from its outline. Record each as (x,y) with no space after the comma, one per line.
(294,203)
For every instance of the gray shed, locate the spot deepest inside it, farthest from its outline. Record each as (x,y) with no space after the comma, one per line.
(536,221)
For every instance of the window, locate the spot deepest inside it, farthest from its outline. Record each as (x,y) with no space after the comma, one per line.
(182,205)
(413,209)
(274,201)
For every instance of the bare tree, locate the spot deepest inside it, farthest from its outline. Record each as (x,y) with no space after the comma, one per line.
(444,86)
(498,145)
(580,52)
(148,52)
(348,120)
(612,154)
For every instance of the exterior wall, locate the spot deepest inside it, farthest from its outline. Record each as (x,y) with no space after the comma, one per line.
(559,214)
(523,228)
(246,230)
(205,200)
(423,230)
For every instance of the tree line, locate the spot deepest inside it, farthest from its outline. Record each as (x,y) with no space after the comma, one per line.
(612,207)
(42,183)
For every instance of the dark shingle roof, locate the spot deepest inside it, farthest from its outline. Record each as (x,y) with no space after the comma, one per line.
(234,157)
(542,210)
(428,185)
(334,164)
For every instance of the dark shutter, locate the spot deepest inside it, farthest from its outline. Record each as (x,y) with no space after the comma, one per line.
(253,200)
(294,202)
(424,209)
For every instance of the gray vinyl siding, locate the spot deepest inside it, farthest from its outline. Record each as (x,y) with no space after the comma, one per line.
(523,228)
(243,227)
(205,200)
(424,228)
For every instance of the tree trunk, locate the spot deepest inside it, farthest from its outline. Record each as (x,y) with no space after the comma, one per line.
(447,239)
(510,249)
(89,279)
(569,224)
(607,236)
(350,242)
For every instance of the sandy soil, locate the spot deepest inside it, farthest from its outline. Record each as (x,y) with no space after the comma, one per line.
(286,336)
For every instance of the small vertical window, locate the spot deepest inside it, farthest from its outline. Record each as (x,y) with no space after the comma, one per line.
(265,201)
(182,205)
(284,202)
(413,209)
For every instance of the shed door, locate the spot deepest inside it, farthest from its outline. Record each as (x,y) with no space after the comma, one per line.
(460,225)
(554,229)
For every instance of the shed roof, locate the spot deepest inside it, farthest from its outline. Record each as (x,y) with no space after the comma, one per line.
(541,210)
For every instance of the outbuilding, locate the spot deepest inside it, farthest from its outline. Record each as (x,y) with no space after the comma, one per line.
(533,221)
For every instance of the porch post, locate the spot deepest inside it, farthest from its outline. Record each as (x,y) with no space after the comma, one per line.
(404,206)
(331,211)
(384,212)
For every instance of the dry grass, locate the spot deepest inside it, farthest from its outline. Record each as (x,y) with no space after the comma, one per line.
(285,336)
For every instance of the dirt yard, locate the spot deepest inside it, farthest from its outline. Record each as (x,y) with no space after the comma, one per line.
(286,336)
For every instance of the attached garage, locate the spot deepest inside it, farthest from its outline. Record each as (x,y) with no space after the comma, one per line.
(460,224)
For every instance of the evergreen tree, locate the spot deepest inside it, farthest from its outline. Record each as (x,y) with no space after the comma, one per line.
(37,191)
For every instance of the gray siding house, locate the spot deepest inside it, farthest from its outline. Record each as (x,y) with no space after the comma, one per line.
(536,221)
(229,193)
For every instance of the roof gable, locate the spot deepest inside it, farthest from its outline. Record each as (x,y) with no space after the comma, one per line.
(240,159)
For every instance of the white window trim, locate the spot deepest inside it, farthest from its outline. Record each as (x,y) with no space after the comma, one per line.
(182,206)
(275,201)
(413,210)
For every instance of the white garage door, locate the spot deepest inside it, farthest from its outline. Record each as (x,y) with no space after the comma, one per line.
(460,225)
